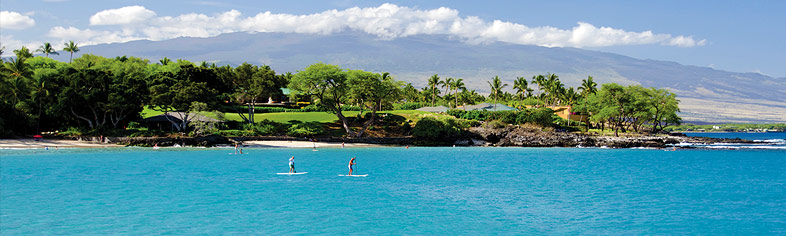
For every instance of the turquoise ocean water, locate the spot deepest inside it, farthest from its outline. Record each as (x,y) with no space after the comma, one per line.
(764,136)
(445,191)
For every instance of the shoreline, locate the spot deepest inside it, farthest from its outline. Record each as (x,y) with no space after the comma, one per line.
(483,138)
(52,143)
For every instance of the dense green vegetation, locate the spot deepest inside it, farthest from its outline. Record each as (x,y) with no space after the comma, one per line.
(97,95)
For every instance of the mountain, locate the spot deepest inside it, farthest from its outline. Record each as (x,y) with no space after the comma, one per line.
(706,94)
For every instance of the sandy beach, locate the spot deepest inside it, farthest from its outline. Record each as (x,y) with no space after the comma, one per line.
(59,143)
(52,143)
(303,144)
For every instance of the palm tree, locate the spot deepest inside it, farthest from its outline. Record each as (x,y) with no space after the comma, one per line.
(47,49)
(458,84)
(448,86)
(165,61)
(17,67)
(72,48)
(40,94)
(551,84)
(588,86)
(23,52)
(569,96)
(18,71)
(520,84)
(496,88)
(434,82)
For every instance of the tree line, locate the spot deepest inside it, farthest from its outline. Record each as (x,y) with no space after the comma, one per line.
(42,94)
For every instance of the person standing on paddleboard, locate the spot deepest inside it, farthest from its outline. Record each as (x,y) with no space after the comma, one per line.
(292,165)
(351,163)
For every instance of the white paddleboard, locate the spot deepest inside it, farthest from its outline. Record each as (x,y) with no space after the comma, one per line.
(299,173)
(354,175)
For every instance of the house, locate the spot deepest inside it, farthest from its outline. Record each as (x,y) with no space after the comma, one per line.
(566,112)
(162,122)
(487,106)
(436,109)
(282,98)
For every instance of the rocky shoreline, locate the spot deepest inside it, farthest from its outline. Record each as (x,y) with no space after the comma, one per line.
(509,136)
(518,136)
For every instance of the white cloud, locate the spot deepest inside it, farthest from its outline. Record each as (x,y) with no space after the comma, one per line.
(11,44)
(15,20)
(387,21)
(91,37)
(122,16)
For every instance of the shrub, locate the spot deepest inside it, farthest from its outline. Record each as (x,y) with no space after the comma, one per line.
(306,129)
(443,128)
(495,124)
(235,133)
(264,127)
(508,117)
(539,116)
(408,106)
(72,131)
(133,125)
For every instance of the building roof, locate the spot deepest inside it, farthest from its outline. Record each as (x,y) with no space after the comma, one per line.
(436,109)
(178,117)
(488,106)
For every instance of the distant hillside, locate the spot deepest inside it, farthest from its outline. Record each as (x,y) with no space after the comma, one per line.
(707,94)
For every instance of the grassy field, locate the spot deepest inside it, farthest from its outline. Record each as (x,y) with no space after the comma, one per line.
(284,117)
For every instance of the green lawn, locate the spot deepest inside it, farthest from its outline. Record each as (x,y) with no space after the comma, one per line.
(284,117)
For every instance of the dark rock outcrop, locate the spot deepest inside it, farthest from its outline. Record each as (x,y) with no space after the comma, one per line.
(512,135)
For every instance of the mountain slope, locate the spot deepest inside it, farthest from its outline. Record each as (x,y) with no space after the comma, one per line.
(707,94)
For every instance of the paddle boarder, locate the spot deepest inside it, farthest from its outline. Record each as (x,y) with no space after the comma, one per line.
(351,163)
(292,165)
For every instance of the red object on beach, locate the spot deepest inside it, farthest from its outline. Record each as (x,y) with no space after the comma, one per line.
(37,137)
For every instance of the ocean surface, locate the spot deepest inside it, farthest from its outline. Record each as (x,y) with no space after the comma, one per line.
(415,191)
(768,140)
(774,136)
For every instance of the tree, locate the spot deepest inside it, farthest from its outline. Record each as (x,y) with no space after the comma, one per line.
(520,84)
(177,91)
(373,89)
(570,96)
(252,84)
(540,80)
(84,94)
(664,109)
(72,48)
(165,61)
(434,82)
(326,83)
(458,84)
(448,86)
(610,105)
(47,49)
(588,87)
(496,88)
(411,93)
(23,52)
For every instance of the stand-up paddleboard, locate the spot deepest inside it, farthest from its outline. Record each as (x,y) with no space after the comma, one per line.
(237,153)
(299,173)
(354,175)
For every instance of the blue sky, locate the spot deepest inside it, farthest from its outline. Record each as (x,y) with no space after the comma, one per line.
(742,36)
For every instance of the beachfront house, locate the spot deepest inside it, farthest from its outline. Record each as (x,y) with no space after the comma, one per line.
(488,107)
(566,112)
(162,122)
(436,109)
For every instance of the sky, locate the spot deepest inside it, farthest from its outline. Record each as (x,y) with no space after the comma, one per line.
(739,36)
